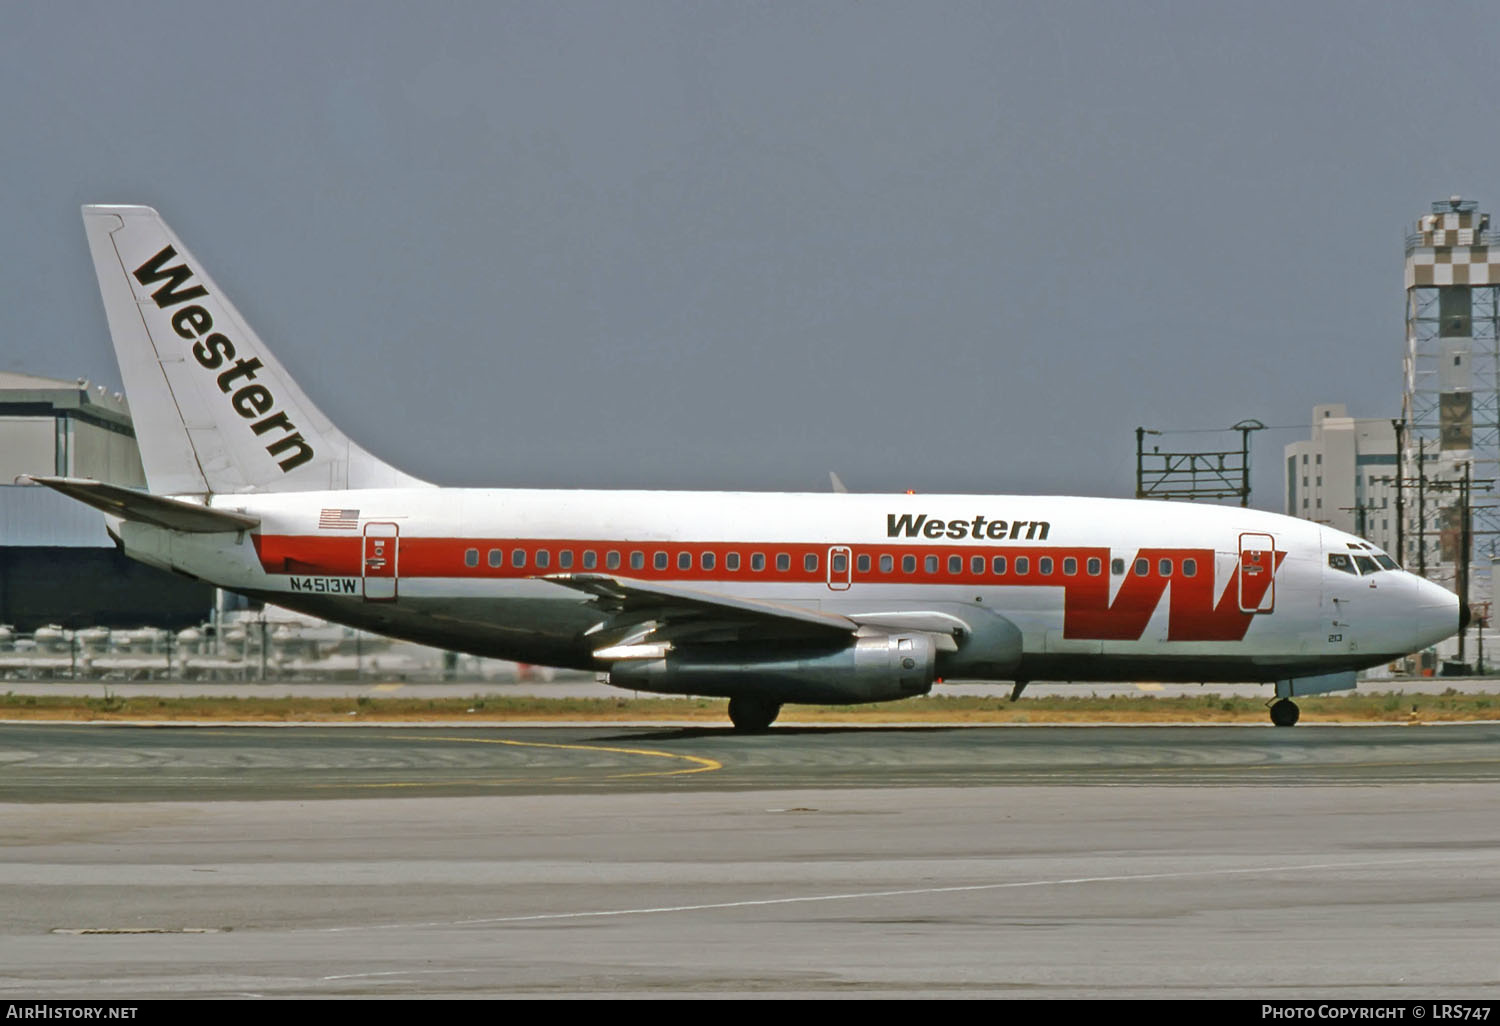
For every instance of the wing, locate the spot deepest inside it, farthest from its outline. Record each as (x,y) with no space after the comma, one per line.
(645,614)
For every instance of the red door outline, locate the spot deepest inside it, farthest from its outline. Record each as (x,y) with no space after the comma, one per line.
(1257,573)
(378,567)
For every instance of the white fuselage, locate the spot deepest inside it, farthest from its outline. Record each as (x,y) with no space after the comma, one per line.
(1095,588)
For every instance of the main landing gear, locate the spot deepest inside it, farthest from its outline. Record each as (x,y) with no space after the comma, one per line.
(750,715)
(1284,713)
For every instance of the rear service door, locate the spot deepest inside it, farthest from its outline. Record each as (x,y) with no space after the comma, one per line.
(381,548)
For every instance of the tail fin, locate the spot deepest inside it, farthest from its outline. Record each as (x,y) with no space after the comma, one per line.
(214,411)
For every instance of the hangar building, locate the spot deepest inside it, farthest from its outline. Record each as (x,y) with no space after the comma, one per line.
(57,563)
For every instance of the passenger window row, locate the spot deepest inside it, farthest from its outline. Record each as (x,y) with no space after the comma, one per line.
(998,566)
(614,559)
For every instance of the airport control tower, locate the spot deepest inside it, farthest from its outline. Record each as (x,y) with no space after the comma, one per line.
(1451,396)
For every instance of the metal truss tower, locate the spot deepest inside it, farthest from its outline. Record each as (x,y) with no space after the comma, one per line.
(1451,395)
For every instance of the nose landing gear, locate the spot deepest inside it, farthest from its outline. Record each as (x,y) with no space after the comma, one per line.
(1284,713)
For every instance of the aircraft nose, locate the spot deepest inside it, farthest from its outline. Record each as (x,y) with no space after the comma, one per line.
(1438,615)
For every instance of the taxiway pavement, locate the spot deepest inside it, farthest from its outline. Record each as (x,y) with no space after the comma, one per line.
(1104,862)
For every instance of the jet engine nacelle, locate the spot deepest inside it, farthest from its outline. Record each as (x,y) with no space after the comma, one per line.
(873,669)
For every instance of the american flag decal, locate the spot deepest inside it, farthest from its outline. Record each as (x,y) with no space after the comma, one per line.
(338,520)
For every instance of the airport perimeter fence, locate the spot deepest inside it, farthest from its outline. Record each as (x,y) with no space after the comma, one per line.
(247,650)
(266,650)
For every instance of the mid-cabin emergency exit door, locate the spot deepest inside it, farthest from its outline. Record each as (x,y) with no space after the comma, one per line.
(379,563)
(840,571)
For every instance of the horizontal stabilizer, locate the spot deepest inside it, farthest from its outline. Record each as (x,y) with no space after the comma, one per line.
(146,508)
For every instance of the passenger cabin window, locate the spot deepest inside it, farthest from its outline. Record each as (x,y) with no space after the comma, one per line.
(930,564)
(1095,566)
(976,564)
(1190,568)
(659,561)
(1070,566)
(471,557)
(518,558)
(496,557)
(637,561)
(1164,567)
(590,559)
(565,559)
(997,565)
(810,562)
(955,564)
(783,562)
(1142,567)
(862,562)
(840,563)
(684,560)
(908,564)
(887,564)
(1340,561)
(1023,565)
(543,559)
(1044,565)
(732,562)
(758,562)
(706,561)
(1117,566)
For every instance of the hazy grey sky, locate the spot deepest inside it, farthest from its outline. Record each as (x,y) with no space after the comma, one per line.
(941,246)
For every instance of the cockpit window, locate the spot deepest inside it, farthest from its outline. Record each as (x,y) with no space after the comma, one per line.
(1386,562)
(1339,561)
(1366,564)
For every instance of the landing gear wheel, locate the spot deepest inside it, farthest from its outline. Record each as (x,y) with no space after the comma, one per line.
(751,715)
(1285,713)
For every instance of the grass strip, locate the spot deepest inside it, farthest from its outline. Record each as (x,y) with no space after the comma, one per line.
(1366,707)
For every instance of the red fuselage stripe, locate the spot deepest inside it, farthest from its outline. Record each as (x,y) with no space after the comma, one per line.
(1194,615)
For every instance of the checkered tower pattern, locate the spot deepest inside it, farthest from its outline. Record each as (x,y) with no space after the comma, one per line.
(1453,248)
(1451,396)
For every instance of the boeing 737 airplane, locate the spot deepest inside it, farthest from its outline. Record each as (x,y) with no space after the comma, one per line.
(761,598)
